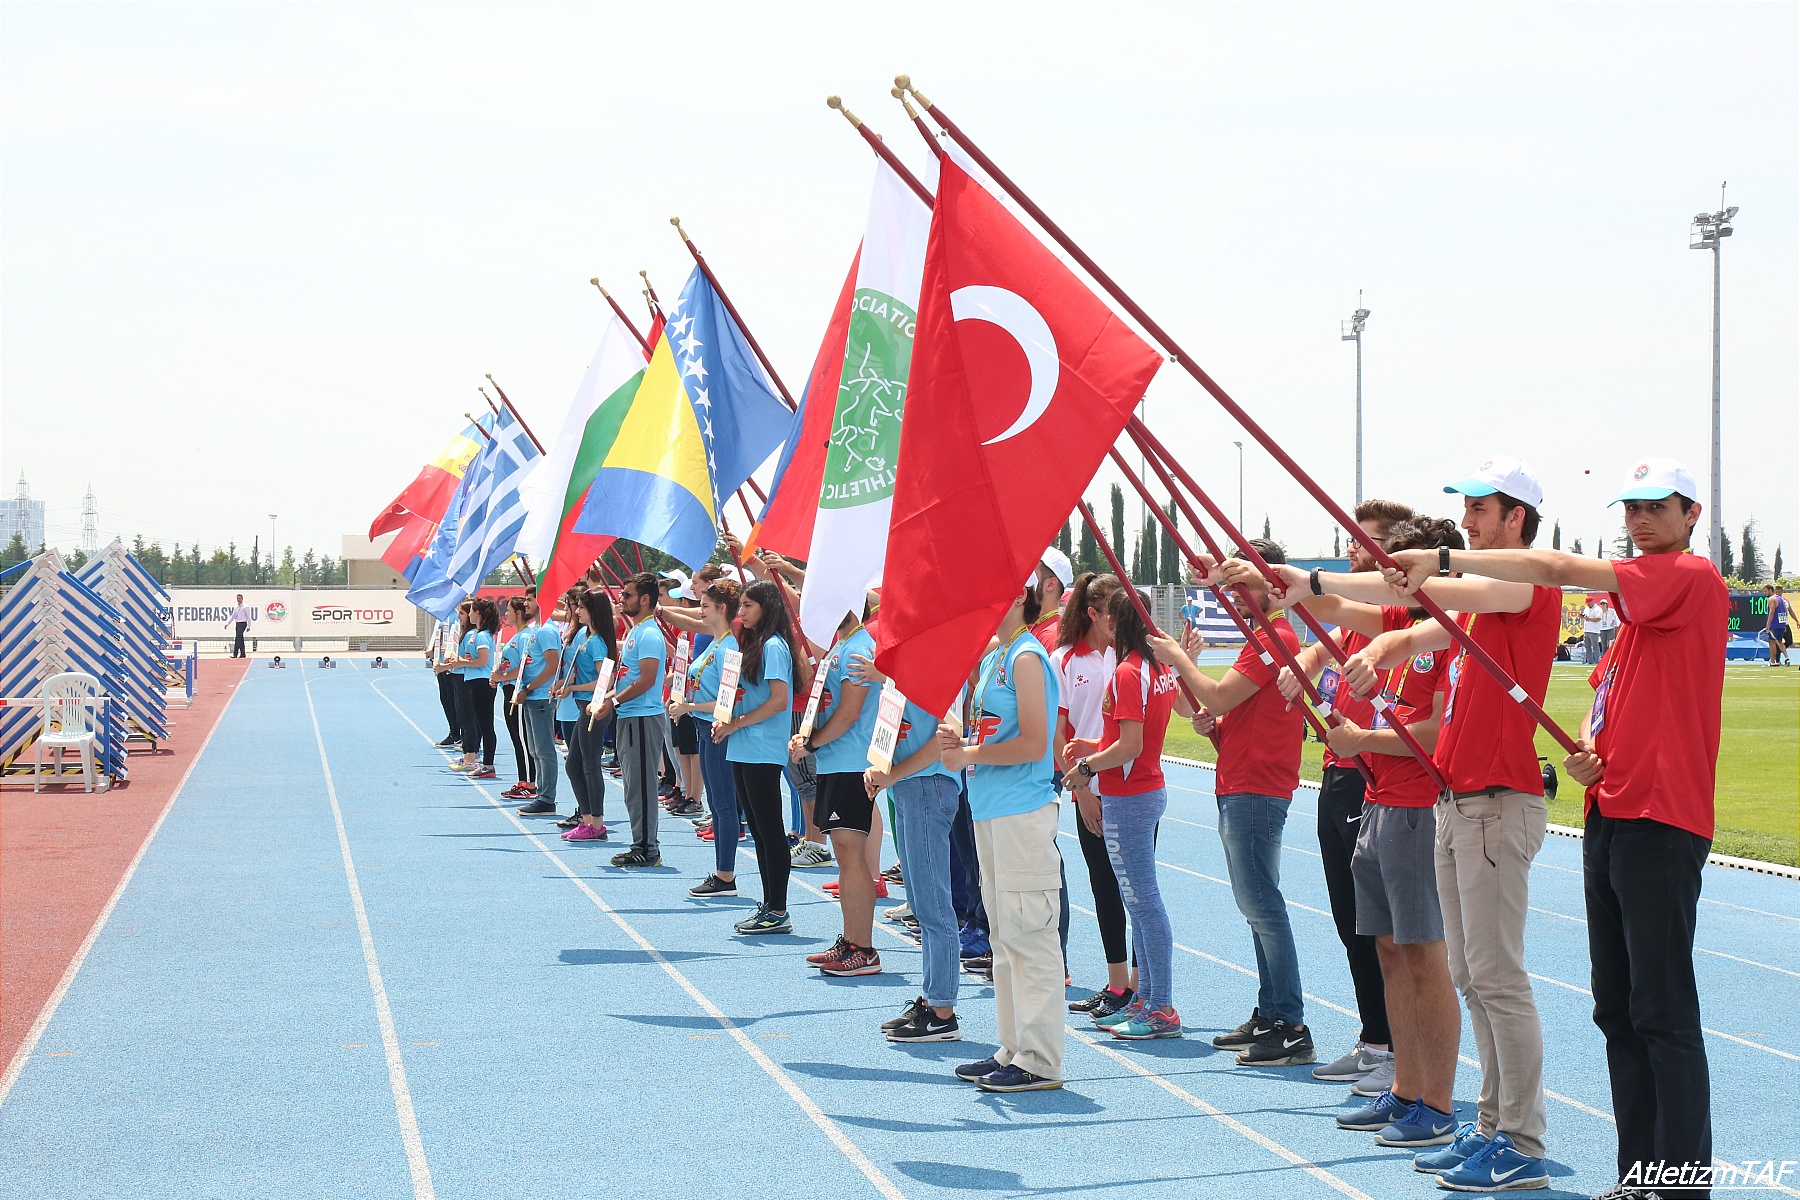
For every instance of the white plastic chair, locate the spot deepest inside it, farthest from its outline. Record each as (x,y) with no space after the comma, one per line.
(69,703)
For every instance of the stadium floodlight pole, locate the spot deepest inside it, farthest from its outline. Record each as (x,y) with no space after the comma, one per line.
(1161,336)
(1155,457)
(1708,232)
(516,416)
(1351,331)
(620,313)
(700,261)
(1250,606)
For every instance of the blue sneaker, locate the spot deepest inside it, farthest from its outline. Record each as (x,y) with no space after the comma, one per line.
(1124,1016)
(974,942)
(1468,1140)
(1420,1125)
(1496,1167)
(1387,1109)
(1016,1079)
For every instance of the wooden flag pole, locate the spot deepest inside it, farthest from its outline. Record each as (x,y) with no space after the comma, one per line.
(620,313)
(650,297)
(1178,355)
(516,416)
(492,407)
(1331,644)
(700,261)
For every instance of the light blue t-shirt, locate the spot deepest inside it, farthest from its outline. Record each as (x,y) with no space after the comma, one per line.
(1010,790)
(509,655)
(917,727)
(472,644)
(704,672)
(541,642)
(766,741)
(569,708)
(644,640)
(849,751)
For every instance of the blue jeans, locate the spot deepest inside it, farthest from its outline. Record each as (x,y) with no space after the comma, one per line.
(1250,829)
(540,743)
(1128,823)
(721,797)
(965,866)
(925,808)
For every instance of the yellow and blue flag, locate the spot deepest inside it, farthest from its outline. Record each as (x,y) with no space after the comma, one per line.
(702,420)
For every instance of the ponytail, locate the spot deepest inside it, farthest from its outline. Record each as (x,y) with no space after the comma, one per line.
(1091,590)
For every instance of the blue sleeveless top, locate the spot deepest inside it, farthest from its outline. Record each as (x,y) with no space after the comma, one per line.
(1027,787)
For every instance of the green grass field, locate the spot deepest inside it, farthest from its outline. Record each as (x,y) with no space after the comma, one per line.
(1758,800)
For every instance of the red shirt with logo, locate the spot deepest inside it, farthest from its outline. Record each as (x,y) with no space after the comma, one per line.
(1487,735)
(1045,630)
(1259,740)
(1137,692)
(1655,719)
(1411,691)
(1342,700)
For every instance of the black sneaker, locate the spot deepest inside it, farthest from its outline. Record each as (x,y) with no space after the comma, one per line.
(537,808)
(1247,1034)
(927,1027)
(570,821)
(1103,1003)
(636,858)
(712,885)
(981,964)
(687,808)
(907,1015)
(1282,1046)
(450,739)
(970,1072)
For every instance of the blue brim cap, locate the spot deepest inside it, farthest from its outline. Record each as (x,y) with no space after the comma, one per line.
(1643,493)
(1472,487)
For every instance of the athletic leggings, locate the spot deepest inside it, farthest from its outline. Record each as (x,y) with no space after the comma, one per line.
(516,732)
(447,686)
(1340,816)
(586,778)
(475,717)
(1129,825)
(759,798)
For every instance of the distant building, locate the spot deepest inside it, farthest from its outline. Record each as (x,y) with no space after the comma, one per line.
(24,516)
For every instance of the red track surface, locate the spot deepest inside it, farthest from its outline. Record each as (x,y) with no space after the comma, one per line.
(63,852)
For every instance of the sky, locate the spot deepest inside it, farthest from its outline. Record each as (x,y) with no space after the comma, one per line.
(258,258)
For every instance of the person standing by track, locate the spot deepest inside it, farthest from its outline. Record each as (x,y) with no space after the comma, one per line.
(594,646)
(640,728)
(718,609)
(756,744)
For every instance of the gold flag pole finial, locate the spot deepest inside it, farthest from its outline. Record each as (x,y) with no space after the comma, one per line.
(898,94)
(905,84)
(837,102)
(676,222)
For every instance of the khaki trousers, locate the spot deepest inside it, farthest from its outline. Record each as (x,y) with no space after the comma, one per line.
(1021,885)
(1485,844)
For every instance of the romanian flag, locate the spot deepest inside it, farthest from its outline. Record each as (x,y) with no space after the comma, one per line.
(701,421)
(416,511)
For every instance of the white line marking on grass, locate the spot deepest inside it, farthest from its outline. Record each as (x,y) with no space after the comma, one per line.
(23,1054)
(1232,1123)
(782,1079)
(384,1016)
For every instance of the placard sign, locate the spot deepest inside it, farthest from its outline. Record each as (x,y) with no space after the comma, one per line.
(602,685)
(887,727)
(811,717)
(728,685)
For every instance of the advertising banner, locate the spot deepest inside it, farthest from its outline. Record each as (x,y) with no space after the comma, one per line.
(295,612)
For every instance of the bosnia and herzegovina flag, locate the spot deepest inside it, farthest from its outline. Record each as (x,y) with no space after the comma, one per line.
(417,510)
(702,420)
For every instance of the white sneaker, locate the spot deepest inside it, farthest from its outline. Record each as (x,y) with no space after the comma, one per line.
(1380,1079)
(810,854)
(898,913)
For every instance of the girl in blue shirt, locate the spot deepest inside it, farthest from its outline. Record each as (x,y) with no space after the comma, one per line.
(474,663)
(506,677)
(593,644)
(756,740)
(718,608)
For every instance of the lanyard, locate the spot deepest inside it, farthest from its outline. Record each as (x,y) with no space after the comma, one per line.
(999,666)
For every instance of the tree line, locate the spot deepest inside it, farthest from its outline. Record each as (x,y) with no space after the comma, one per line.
(222,568)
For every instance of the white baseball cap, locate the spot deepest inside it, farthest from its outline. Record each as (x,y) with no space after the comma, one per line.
(681,582)
(1657,479)
(1059,566)
(1502,474)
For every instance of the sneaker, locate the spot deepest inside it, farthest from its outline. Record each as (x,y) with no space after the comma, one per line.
(1625,1191)
(764,921)
(1387,1109)
(537,808)
(809,854)
(687,808)
(712,885)
(570,821)
(1149,1023)
(450,739)
(857,960)
(984,965)
(1377,1081)
(1122,1016)
(1102,1003)
(975,942)
(461,767)
(1496,1167)
(1282,1046)
(483,772)
(586,833)
(831,953)
(970,1072)
(515,792)
(1420,1125)
(667,791)
(892,874)
(704,833)
(636,858)
(705,822)
(1469,1139)
(830,888)
(900,912)
(881,892)
(907,1014)
(927,1027)
(1246,1034)
(1016,1079)
(1352,1066)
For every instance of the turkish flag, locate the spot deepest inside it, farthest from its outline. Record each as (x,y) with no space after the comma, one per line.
(1021,379)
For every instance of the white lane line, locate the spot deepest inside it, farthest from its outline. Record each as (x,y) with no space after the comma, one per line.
(782,1079)
(384,1015)
(23,1054)
(1761,912)
(1748,962)
(1730,1037)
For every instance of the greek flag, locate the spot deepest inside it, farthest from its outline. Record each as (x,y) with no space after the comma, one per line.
(1214,623)
(488,517)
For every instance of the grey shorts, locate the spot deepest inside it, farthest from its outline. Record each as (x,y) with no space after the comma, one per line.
(1395,869)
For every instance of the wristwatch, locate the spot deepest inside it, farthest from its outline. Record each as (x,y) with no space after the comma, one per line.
(1087,772)
(1443,560)
(1317,588)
